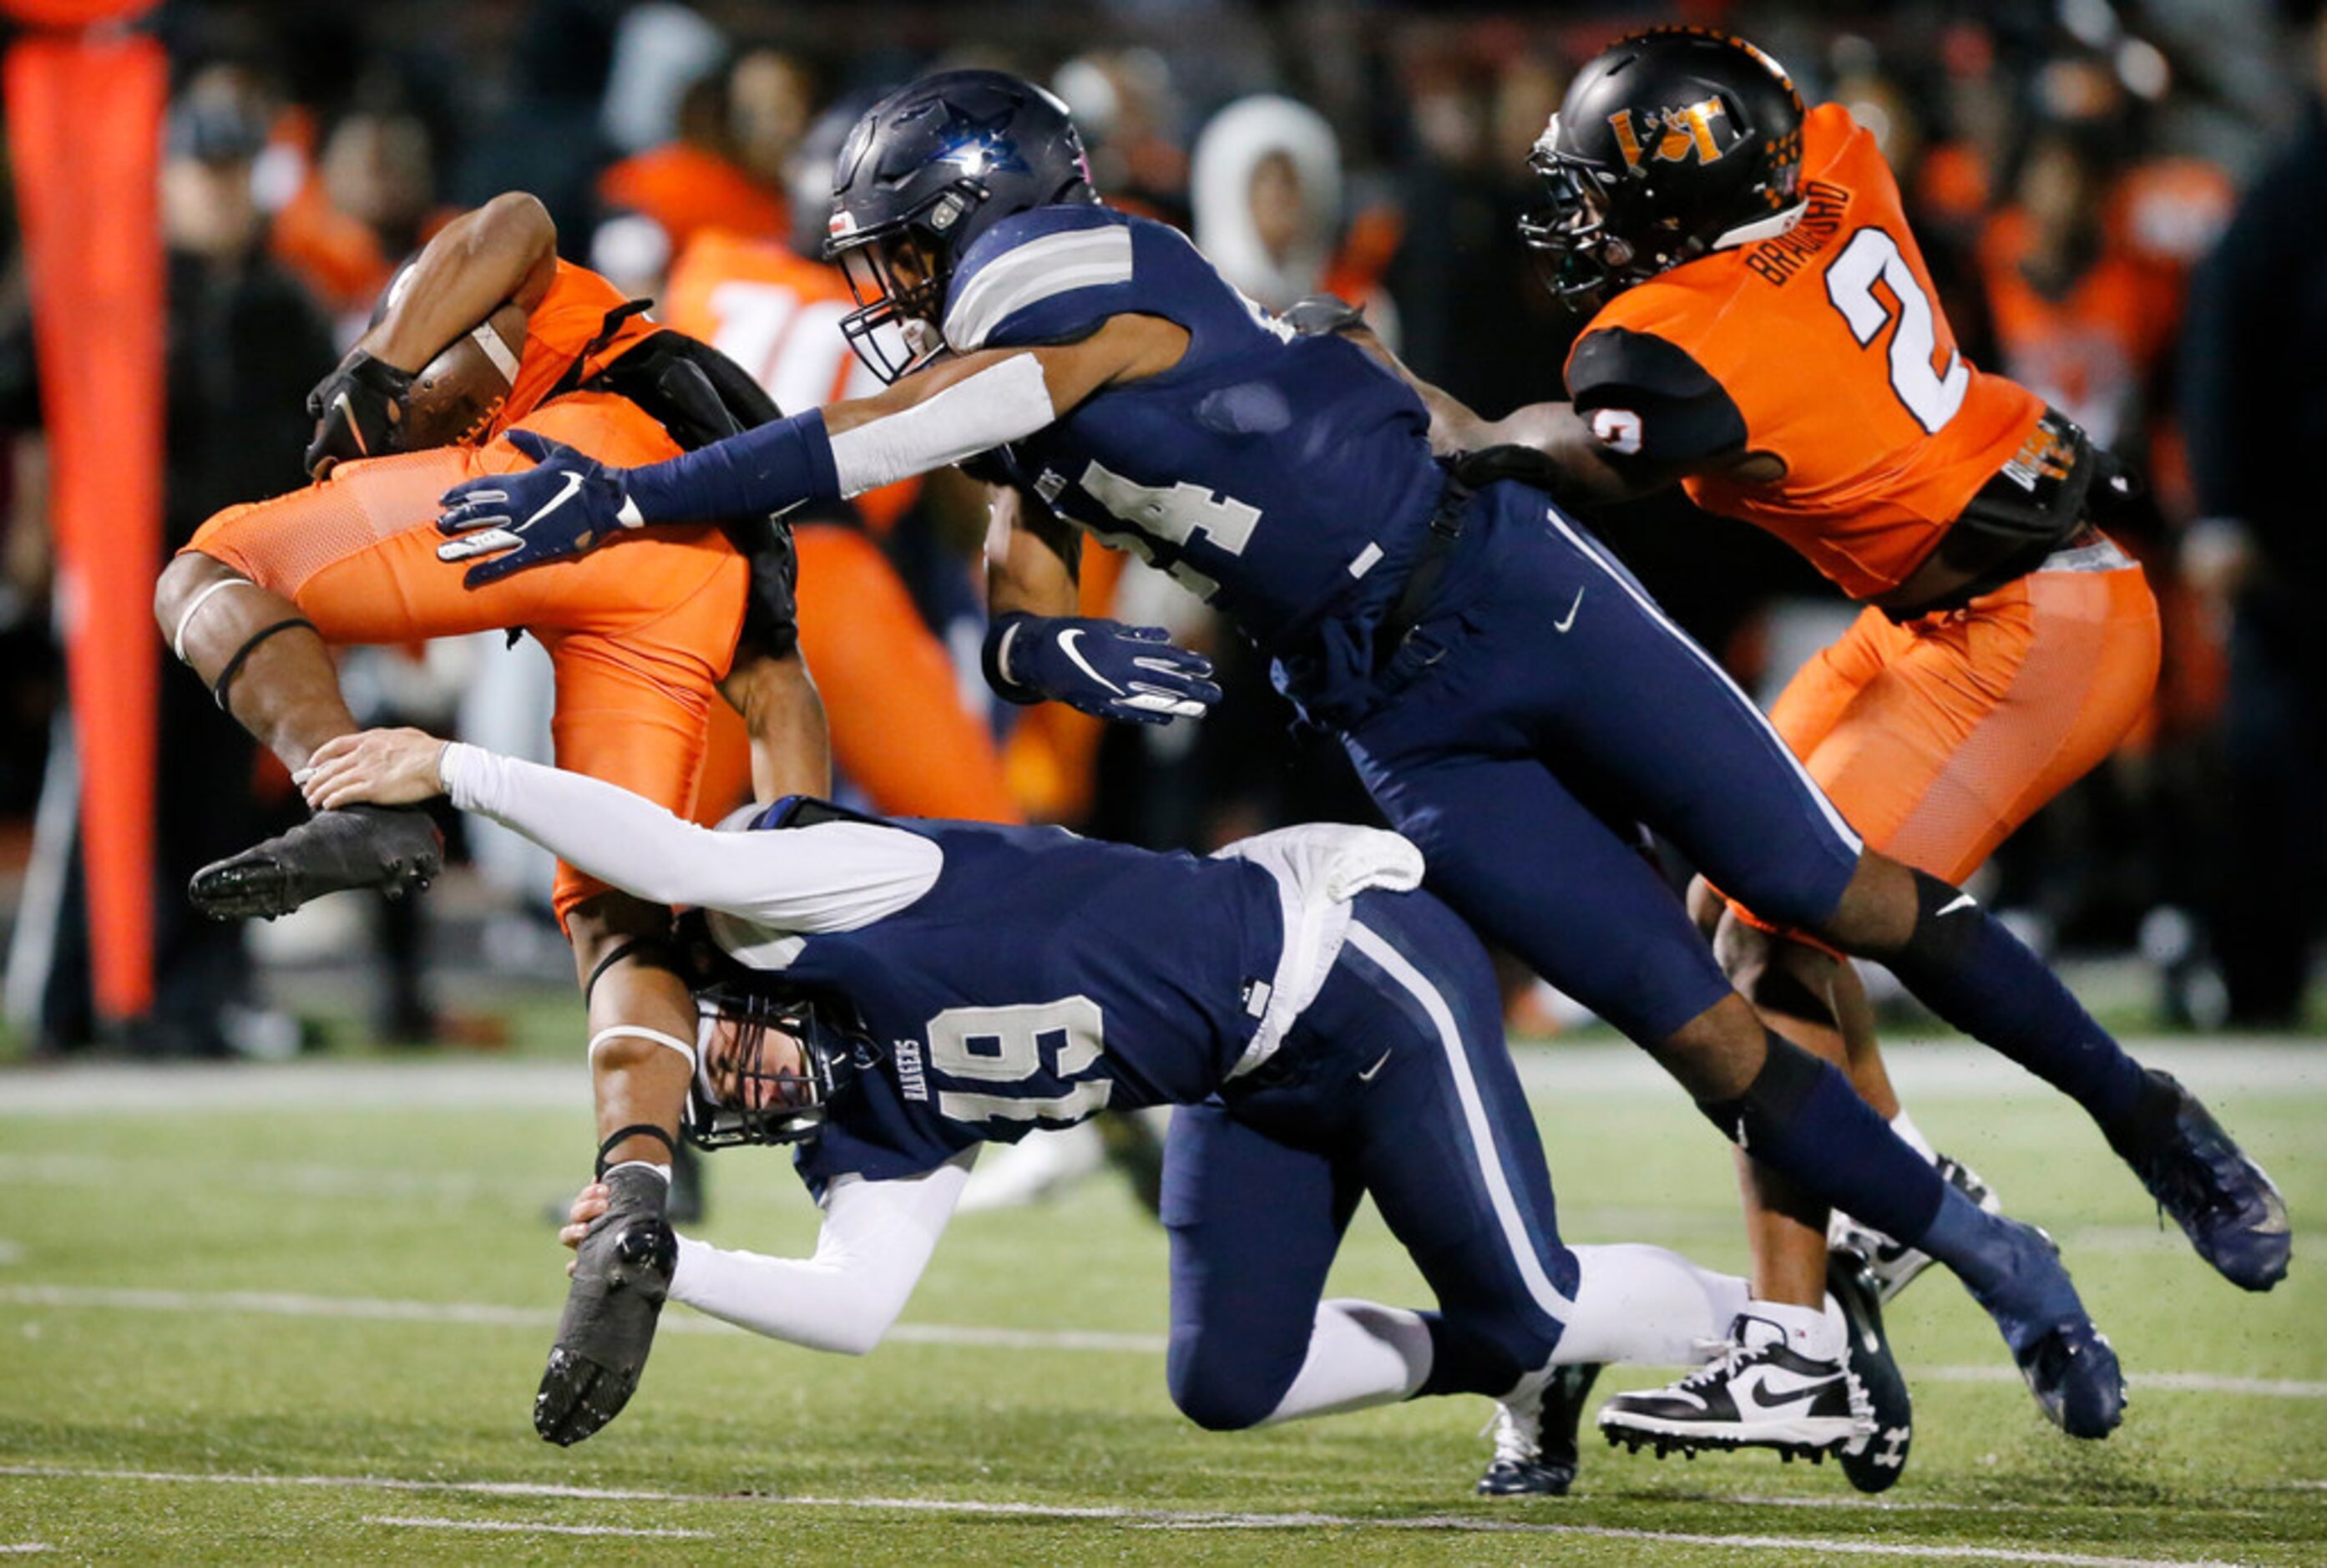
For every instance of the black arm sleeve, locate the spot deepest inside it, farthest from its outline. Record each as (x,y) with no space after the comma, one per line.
(1678,413)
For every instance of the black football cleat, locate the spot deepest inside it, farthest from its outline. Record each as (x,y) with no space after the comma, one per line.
(1757,1393)
(1535,1437)
(2221,1200)
(394,848)
(1876,1459)
(622,1276)
(2068,1364)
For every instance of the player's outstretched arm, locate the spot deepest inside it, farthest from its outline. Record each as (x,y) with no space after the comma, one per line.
(1560,453)
(875,1241)
(955,409)
(836,876)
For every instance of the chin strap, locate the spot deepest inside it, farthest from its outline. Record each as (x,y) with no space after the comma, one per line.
(621,1135)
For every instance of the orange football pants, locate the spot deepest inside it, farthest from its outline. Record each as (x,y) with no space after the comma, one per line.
(1940,737)
(639,631)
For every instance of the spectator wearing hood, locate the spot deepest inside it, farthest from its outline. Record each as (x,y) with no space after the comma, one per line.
(1268,193)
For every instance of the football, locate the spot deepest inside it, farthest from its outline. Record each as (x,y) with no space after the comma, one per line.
(455,395)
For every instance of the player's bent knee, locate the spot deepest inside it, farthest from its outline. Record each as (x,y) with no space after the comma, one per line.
(1780,975)
(187,587)
(1705,905)
(1221,1387)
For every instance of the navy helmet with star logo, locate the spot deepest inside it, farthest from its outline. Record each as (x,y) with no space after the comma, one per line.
(925,172)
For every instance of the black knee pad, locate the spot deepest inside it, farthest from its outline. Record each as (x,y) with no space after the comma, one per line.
(1786,1080)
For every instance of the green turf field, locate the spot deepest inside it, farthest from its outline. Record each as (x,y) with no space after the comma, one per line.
(296,1315)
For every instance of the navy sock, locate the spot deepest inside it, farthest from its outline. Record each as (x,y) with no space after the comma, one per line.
(1801,1118)
(1963,964)
(1964,1239)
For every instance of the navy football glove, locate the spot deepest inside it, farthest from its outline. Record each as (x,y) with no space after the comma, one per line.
(564,507)
(356,409)
(1102,667)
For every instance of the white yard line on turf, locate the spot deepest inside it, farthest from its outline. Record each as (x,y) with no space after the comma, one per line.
(510,1526)
(1943,1069)
(1146,1518)
(285,1304)
(26,1548)
(272,1176)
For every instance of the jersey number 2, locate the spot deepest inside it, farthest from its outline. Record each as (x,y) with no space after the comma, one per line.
(1850,278)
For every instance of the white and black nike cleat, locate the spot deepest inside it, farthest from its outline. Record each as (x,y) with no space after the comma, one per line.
(1876,1459)
(1758,1392)
(1894,1264)
(1535,1437)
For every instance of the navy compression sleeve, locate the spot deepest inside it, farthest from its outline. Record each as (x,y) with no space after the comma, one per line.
(771,469)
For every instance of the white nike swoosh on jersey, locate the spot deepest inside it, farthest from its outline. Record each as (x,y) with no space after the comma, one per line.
(1367,1077)
(573,488)
(1561,626)
(1067,640)
(1962,901)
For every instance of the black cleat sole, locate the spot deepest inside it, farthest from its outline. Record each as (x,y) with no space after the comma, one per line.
(1689,1447)
(391,848)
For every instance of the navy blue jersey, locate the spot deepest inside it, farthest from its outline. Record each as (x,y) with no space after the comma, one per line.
(1265,472)
(1042,978)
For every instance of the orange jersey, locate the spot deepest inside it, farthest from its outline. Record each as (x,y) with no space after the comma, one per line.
(773,312)
(1824,347)
(686,189)
(581,318)
(778,315)
(2092,349)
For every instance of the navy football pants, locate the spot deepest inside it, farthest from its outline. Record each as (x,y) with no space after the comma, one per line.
(1396,1083)
(1550,685)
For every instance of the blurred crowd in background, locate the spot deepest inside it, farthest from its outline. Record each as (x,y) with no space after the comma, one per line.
(2122,205)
